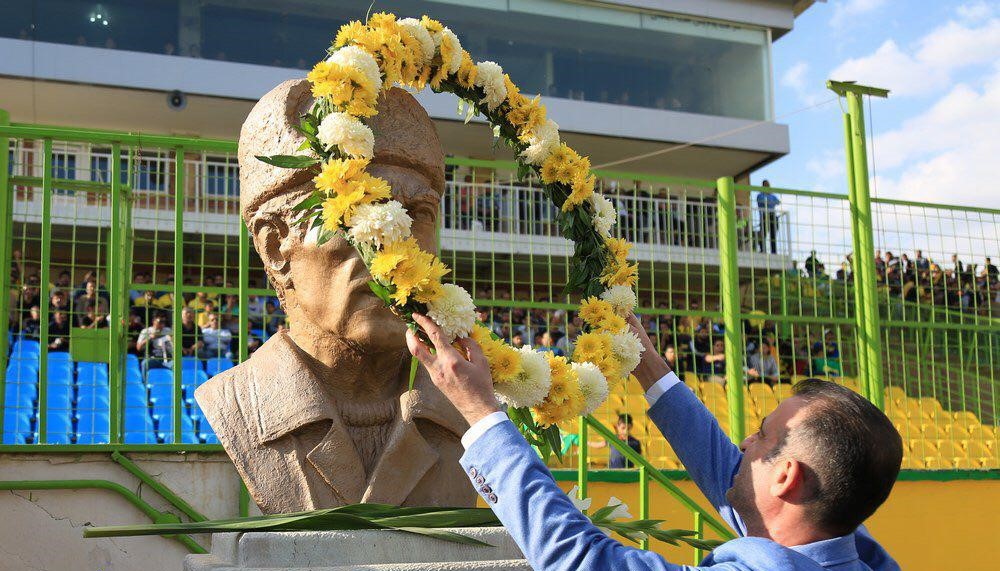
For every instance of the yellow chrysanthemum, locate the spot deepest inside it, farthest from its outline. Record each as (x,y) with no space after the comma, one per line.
(591,346)
(570,405)
(351,33)
(337,209)
(624,274)
(344,86)
(609,366)
(466,76)
(594,309)
(526,115)
(583,189)
(432,25)
(560,166)
(612,323)
(619,248)
(336,174)
(505,364)
(414,272)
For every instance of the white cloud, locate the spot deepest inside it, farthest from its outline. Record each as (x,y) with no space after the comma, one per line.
(930,63)
(796,79)
(845,10)
(975,11)
(828,167)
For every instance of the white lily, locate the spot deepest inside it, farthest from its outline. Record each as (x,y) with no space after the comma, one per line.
(620,511)
(581,505)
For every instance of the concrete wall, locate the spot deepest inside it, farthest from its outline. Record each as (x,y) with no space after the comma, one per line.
(43,529)
(924,525)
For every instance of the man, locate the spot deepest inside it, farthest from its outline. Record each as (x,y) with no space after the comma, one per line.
(623,429)
(768,204)
(59,328)
(922,264)
(796,492)
(216,339)
(547,345)
(763,366)
(191,343)
(156,343)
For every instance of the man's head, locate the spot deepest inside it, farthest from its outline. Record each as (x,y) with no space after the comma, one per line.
(821,464)
(718,347)
(517,340)
(187,316)
(670,354)
(159,321)
(91,287)
(766,183)
(59,317)
(324,288)
(212,322)
(765,348)
(624,425)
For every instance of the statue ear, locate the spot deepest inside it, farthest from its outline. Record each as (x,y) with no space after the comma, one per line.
(270,234)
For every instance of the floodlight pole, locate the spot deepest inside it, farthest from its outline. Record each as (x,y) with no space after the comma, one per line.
(866,300)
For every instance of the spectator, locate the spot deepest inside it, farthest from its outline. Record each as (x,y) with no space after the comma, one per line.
(59,332)
(190,344)
(768,204)
(92,320)
(16,267)
(713,365)
(32,326)
(814,267)
(216,339)
(567,342)
(670,356)
(64,281)
(58,301)
(207,310)
(134,295)
(29,295)
(763,365)
(156,343)
(957,267)
(623,429)
(90,296)
(517,340)
(255,311)
(989,274)
(199,301)
(136,324)
(275,316)
(547,346)
(921,263)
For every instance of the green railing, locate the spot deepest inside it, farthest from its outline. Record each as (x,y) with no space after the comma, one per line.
(121,205)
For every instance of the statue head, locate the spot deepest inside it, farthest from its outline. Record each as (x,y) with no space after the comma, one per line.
(325,288)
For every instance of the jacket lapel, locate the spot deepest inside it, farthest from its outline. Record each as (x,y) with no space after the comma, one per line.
(337,460)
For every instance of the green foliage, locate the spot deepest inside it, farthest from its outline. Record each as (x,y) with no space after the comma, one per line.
(289,161)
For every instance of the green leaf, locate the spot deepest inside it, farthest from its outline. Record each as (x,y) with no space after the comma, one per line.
(289,161)
(445,535)
(310,202)
(381,291)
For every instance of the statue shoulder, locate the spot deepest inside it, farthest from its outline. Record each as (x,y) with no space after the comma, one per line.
(225,394)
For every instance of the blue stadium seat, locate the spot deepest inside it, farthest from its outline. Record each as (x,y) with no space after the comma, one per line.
(93,397)
(133,375)
(139,427)
(60,357)
(131,360)
(60,376)
(59,427)
(22,374)
(91,373)
(217,365)
(160,377)
(188,433)
(24,347)
(135,396)
(259,334)
(16,426)
(191,364)
(59,397)
(92,427)
(161,396)
(20,395)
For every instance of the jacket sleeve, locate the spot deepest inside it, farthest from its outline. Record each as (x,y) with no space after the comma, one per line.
(710,458)
(873,554)
(551,532)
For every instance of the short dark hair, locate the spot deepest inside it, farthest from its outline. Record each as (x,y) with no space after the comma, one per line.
(626,418)
(858,459)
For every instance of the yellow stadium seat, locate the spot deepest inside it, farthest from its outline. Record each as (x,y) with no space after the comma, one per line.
(913,409)
(850,383)
(976,448)
(966,463)
(906,429)
(690,377)
(965,418)
(932,407)
(782,391)
(951,451)
(913,463)
(760,392)
(932,431)
(937,463)
(957,432)
(895,394)
(666,463)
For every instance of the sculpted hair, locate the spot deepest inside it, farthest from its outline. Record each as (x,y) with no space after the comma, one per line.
(852,451)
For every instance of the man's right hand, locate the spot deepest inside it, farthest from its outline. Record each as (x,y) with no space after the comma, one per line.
(651,367)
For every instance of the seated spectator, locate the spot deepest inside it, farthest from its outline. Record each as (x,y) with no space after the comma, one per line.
(136,324)
(133,295)
(59,301)
(59,332)
(814,267)
(199,301)
(763,365)
(216,339)
(29,295)
(64,281)
(713,365)
(190,343)
(517,340)
(206,311)
(92,320)
(920,262)
(670,356)
(156,343)
(547,346)
(567,342)
(275,316)
(90,296)
(31,325)
(623,429)
(255,311)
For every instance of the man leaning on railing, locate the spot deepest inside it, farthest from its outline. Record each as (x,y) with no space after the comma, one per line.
(796,492)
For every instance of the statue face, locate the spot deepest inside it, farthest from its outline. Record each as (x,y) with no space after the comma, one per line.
(331,281)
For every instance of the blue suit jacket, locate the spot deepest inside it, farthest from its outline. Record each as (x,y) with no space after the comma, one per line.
(555,536)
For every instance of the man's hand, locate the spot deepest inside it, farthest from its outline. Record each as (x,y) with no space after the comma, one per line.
(463,378)
(652,367)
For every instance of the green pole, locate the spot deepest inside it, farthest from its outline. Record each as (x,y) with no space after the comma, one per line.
(581,468)
(6,240)
(858,269)
(643,501)
(730,296)
(43,296)
(116,267)
(785,327)
(861,208)
(178,288)
(699,529)
(244,292)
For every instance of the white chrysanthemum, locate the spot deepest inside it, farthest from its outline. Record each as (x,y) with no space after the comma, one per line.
(353,56)
(621,298)
(379,224)
(454,311)
(581,505)
(456,50)
(489,76)
(627,349)
(593,385)
(531,386)
(345,131)
(542,143)
(604,214)
(423,37)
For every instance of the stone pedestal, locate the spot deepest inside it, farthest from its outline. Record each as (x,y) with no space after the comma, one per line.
(373,550)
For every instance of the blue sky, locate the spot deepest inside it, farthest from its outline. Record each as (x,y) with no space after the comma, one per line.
(937,137)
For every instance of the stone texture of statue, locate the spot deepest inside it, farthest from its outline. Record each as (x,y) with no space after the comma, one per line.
(321,416)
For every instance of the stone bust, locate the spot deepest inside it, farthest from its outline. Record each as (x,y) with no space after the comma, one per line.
(320,416)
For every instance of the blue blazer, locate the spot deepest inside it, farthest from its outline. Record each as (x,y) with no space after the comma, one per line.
(555,536)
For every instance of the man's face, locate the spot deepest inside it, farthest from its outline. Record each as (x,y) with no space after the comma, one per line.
(622,428)
(331,281)
(751,494)
(187,317)
(91,288)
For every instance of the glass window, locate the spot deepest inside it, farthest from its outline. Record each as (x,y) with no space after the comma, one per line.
(561,49)
(222,178)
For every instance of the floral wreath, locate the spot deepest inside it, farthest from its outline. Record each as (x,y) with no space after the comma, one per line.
(540,389)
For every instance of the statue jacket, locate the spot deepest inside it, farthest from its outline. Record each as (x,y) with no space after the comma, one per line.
(289,441)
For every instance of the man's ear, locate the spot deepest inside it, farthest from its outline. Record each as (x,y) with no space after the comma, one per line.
(787,478)
(270,233)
